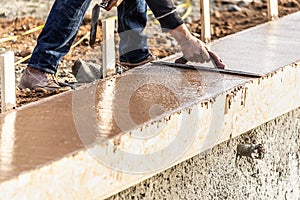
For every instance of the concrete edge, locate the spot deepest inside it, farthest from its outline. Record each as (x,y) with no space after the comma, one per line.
(229,115)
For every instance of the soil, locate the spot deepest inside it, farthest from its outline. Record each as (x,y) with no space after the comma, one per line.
(223,22)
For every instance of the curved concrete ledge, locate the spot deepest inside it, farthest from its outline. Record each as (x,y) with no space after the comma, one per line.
(70,146)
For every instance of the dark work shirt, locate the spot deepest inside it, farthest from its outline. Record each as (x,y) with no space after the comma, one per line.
(165,12)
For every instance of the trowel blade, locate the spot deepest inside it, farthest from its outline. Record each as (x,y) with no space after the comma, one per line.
(94,24)
(209,69)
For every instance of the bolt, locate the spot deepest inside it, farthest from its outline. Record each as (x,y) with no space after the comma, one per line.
(254,151)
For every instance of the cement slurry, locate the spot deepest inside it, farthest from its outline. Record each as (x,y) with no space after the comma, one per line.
(42,133)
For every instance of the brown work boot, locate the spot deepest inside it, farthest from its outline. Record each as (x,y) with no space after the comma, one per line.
(129,65)
(35,79)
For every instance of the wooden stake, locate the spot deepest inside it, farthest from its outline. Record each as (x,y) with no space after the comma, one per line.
(272,9)
(205,21)
(109,55)
(8,85)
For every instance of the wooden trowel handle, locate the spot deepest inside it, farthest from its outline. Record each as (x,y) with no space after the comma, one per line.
(217,61)
(94,24)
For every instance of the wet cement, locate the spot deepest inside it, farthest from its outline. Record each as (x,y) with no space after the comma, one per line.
(49,130)
(36,135)
(264,48)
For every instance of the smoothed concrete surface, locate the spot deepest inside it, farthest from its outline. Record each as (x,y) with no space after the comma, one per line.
(43,146)
(264,48)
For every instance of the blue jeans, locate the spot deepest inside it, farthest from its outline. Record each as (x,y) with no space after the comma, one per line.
(64,21)
(132,19)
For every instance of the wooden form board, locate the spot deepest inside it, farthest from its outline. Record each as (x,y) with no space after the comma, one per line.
(8,89)
(109,63)
(205,21)
(205,17)
(272,9)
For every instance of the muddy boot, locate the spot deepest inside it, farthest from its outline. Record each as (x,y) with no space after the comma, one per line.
(40,81)
(129,65)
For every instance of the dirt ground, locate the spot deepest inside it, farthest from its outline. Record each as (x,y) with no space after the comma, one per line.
(223,23)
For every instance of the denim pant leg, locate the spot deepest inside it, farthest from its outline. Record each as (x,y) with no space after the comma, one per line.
(132,20)
(58,34)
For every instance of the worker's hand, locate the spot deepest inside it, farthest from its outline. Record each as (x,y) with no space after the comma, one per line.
(192,48)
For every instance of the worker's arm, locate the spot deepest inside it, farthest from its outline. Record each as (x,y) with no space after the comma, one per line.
(165,13)
(193,49)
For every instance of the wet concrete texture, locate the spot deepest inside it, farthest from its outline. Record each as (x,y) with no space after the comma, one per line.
(215,175)
(36,135)
(42,133)
(122,103)
(263,48)
(47,131)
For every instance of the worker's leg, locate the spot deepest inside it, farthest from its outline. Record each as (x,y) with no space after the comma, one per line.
(58,34)
(132,20)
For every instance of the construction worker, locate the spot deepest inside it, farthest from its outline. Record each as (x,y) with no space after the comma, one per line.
(66,17)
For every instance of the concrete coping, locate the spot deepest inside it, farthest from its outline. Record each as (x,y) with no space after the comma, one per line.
(101,139)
